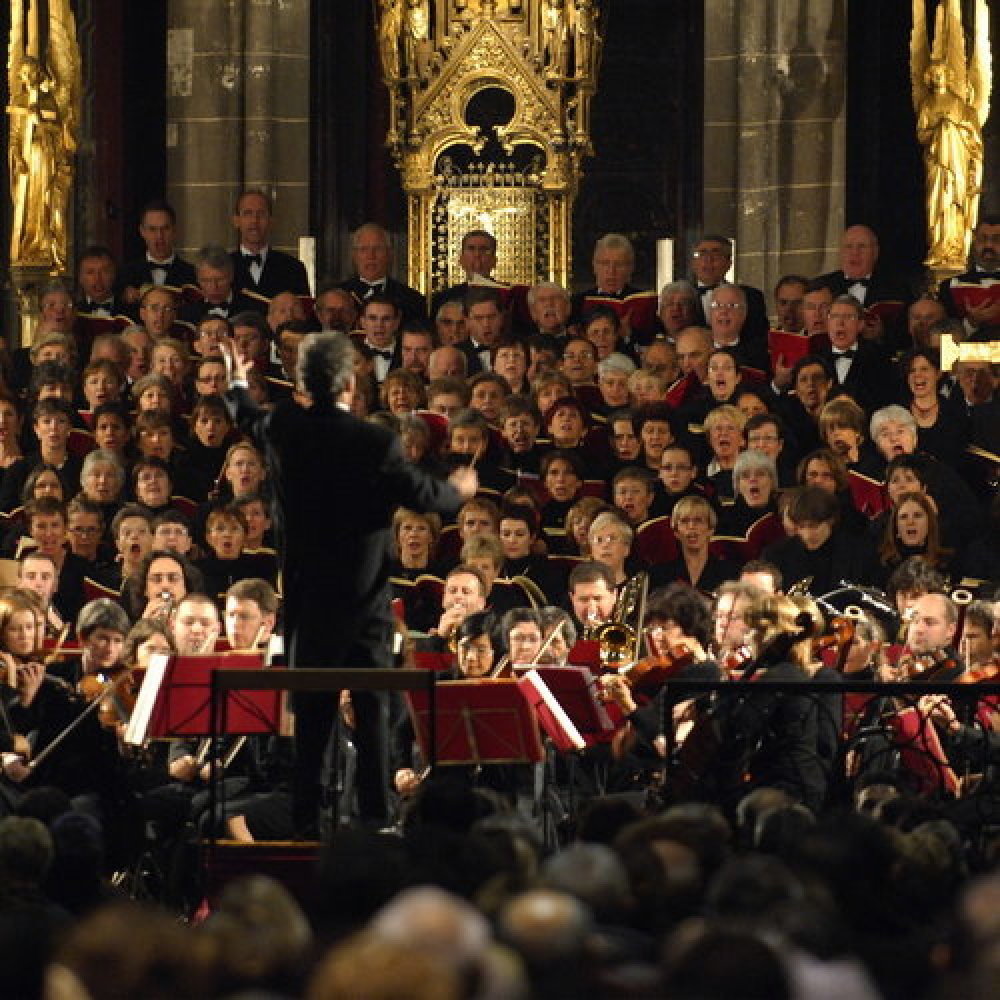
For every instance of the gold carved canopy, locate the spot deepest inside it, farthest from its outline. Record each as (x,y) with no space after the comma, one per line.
(489,125)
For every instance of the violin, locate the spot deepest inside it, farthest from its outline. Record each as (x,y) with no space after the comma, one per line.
(117,690)
(927,666)
(843,631)
(652,672)
(987,673)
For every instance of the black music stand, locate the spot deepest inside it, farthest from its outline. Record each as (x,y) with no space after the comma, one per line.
(316,680)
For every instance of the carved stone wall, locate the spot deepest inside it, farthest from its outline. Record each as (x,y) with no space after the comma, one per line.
(238,114)
(774,141)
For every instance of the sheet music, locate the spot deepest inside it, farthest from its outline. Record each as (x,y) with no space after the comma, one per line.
(145,702)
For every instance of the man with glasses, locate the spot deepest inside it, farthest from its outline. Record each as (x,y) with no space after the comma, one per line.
(710,262)
(727,320)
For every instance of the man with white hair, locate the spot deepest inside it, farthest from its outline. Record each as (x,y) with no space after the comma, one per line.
(614,264)
(371,254)
(339,480)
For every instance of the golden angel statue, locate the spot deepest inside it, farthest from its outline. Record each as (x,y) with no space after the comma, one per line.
(44,113)
(390,31)
(951,96)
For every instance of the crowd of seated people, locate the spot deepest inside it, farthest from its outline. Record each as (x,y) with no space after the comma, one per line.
(622,439)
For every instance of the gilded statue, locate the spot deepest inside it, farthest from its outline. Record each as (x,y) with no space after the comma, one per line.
(554,38)
(951,100)
(44,113)
(585,38)
(417,38)
(389,33)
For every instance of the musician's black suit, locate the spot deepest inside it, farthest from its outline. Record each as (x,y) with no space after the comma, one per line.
(338,481)
(281,273)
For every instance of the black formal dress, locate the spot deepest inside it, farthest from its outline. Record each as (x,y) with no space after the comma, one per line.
(338,481)
(281,273)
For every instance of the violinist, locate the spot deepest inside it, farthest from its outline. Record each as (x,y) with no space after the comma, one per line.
(259,807)
(731,641)
(964,726)
(976,644)
(769,738)
(101,626)
(476,654)
(522,630)
(83,762)
(679,626)
(560,633)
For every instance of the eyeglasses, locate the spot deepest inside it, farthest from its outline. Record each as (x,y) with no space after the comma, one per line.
(728,305)
(84,529)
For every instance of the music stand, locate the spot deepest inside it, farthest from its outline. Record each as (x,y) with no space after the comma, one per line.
(317,680)
(566,705)
(175,700)
(478,722)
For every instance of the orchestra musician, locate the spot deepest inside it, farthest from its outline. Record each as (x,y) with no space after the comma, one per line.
(769,738)
(678,626)
(476,657)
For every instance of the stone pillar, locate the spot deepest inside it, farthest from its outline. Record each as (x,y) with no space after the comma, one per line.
(238,115)
(774,140)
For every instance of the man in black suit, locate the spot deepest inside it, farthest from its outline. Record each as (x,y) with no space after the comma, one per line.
(860,276)
(982,320)
(485,320)
(727,319)
(710,262)
(213,269)
(160,265)
(258,267)
(613,264)
(478,259)
(379,322)
(95,279)
(340,481)
(371,253)
(861,369)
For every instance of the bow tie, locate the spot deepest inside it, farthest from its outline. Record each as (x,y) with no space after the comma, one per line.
(378,352)
(863,282)
(372,287)
(849,353)
(108,304)
(254,258)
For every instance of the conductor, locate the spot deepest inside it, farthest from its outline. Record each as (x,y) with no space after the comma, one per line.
(338,480)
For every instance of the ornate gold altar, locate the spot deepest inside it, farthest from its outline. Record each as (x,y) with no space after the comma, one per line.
(489,125)
(951,99)
(44,115)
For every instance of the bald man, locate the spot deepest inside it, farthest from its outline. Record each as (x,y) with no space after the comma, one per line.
(861,276)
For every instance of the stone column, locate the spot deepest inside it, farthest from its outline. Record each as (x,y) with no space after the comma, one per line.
(775,126)
(238,115)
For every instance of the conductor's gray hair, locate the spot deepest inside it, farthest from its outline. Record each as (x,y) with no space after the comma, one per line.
(326,365)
